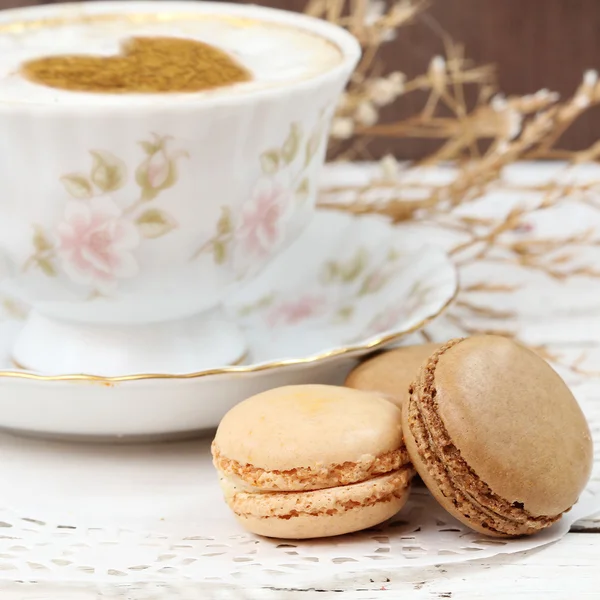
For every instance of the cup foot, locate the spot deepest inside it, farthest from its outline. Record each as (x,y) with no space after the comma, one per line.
(204,341)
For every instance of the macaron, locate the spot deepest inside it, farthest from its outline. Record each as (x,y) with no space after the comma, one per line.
(497,436)
(312,461)
(391,373)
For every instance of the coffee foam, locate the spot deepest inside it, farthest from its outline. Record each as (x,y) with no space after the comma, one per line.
(275,54)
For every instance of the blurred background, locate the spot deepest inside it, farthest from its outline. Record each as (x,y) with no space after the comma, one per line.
(533,43)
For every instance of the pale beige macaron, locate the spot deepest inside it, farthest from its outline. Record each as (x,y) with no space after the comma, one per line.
(391,373)
(312,461)
(497,436)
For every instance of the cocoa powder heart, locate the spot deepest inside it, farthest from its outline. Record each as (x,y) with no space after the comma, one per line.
(145,65)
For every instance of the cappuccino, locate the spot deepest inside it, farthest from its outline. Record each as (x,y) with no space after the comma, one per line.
(272,54)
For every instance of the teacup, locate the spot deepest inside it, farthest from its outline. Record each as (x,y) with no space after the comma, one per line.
(127,219)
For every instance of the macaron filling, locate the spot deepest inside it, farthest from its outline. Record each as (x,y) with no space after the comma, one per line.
(311,478)
(331,501)
(455,479)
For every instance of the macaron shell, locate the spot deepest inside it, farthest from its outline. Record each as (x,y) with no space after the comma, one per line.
(392,372)
(309,426)
(445,501)
(245,500)
(307,478)
(515,423)
(271,517)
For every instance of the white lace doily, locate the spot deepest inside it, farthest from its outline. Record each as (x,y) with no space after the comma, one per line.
(99,514)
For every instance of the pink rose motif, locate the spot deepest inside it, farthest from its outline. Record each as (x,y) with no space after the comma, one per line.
(261,226)
(95,243)
(293,312)
(157,169)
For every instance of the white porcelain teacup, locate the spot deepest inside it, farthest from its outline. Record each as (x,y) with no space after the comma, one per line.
(126,218)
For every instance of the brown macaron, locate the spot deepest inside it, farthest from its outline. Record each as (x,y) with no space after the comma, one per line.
(391,373)
(497,436)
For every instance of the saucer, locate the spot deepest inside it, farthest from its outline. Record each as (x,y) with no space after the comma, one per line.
(347,286)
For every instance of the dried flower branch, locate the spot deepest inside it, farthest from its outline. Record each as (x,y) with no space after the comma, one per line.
(481,139)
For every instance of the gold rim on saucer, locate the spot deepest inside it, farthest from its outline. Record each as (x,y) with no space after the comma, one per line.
(372,345)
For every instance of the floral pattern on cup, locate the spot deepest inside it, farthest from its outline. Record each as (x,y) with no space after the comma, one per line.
(283,186)
(158,171)
(94,244)
(260,227)
(95,241)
